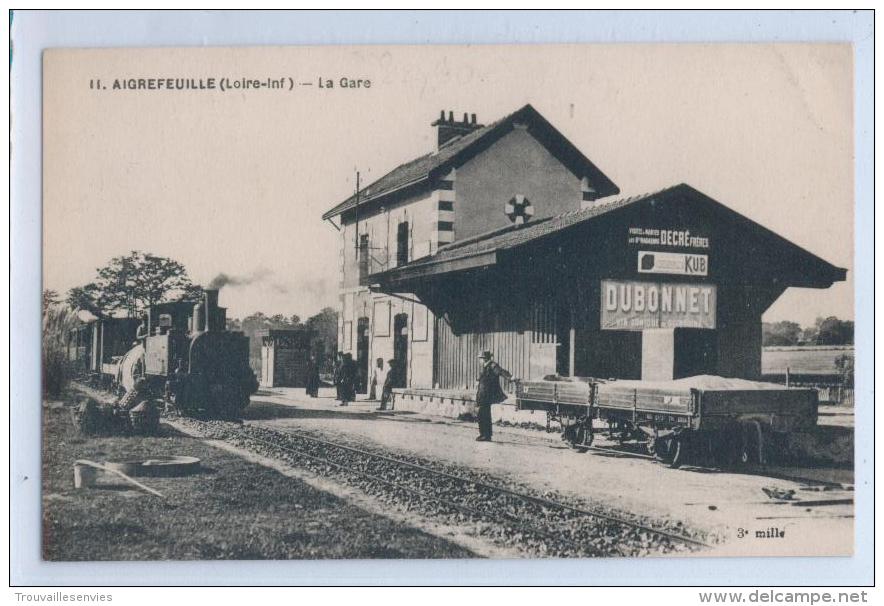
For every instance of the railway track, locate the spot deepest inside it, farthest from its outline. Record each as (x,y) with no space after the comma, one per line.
(508,515)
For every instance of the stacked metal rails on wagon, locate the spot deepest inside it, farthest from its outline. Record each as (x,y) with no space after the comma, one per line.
(730,421)
(184,353)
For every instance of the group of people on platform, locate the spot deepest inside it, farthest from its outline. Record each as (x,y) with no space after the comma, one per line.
(346,376)
(386,376)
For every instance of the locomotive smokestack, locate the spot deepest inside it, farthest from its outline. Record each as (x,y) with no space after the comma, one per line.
(211,309)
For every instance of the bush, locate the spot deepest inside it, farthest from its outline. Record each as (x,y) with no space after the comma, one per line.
(57,370)
(844,363)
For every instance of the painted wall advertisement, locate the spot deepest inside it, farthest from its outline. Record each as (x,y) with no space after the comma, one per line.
(673,238)
(635,305)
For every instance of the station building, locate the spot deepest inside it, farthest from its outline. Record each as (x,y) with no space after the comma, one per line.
(507,238)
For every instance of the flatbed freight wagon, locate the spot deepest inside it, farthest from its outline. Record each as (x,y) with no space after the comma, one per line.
(728,419)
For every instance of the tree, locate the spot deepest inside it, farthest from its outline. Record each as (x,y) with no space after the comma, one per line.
(324,327)
(50,298)
(133,282)
(780,333)
(89,298)
(833,331)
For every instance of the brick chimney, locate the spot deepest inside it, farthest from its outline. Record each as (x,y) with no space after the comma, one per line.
(448,128)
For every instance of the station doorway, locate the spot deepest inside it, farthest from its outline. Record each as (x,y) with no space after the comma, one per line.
(400,349)
(362,355)
(564,340)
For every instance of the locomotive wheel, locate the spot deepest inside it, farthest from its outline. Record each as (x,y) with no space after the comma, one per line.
(144,418)
(676,451)
(88,417)
(244,400)
(579,437)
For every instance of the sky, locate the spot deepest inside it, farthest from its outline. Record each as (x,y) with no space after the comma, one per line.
(236,181)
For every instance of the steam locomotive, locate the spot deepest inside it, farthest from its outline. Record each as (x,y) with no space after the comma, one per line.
(182,351)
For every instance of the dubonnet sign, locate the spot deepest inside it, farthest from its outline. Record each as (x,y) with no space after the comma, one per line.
(634,305)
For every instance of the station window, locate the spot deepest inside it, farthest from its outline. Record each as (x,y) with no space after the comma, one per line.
(363,256)
(402,244)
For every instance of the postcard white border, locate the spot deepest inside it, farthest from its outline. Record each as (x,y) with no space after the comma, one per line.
(34,31)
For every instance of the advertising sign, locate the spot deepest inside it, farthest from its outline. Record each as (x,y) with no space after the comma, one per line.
(685,264)
(634,305)
(672,238)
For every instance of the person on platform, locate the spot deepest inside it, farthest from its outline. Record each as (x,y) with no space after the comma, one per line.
(141,331)
(336,377)
(390,378)
(312,383)
(347,389)
(489,392)
(377,379)
(175,386)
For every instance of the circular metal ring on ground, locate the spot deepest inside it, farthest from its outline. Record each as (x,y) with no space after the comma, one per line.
(157,466)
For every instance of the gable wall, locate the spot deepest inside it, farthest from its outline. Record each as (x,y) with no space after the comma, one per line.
(515,164)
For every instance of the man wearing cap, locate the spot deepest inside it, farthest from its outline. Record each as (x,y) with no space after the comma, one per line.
(488,393)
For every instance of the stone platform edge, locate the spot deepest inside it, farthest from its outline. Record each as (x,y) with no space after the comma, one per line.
(436,403)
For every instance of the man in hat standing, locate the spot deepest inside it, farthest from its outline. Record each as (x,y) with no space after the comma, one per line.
(488,393)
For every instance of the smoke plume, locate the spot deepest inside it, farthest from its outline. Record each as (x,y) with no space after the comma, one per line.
(223,279)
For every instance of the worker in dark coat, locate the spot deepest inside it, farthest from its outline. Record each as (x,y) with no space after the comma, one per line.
(312,383)
(347,384)
(391,378)
(336,377)
(489,392)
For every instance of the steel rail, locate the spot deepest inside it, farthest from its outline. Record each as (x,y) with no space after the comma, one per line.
(525,497)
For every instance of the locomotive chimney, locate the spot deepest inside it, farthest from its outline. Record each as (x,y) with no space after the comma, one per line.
(197,322)
(211,309)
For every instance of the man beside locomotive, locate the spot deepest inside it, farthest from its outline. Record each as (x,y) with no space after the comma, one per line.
(489,392)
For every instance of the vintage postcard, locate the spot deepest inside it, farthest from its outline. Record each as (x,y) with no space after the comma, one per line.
(399,302)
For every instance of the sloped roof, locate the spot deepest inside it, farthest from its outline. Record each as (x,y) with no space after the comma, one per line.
(513,235)
(481,250)
(453,154)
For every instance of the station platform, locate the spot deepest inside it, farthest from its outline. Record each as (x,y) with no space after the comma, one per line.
(831,445)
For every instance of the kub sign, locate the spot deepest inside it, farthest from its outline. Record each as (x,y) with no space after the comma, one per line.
(683,264)
(633,305)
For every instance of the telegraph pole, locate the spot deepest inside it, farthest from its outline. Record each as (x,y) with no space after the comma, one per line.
(356,243)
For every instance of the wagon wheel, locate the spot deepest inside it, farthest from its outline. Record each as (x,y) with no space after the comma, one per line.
(579,437)
(669,450)
(752,449)
(676,452)
(586,436)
